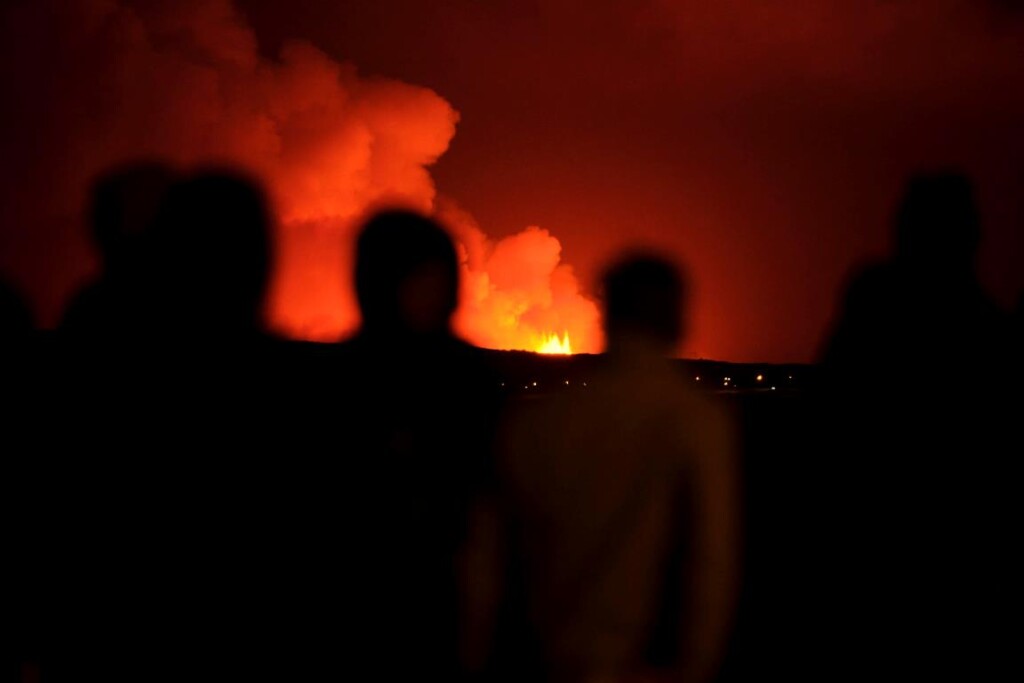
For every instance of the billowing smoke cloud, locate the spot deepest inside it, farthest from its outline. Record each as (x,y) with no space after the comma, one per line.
(516,293)
(761,142)
(95,82)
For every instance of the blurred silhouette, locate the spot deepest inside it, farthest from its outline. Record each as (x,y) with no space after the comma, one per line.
(415,409)
(908,317)
(915,428)
(178,306)
(193,499)
(153,546)
(210,259)
(406,279)
(124,205)
(18,421)
(623,495)
(221,505)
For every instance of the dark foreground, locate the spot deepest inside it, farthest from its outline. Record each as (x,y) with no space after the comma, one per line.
(104,487)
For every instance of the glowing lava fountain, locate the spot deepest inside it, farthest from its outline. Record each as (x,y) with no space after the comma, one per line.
(555,344)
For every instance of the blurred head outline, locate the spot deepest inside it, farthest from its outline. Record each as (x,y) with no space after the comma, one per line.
(644,299)
(406,275)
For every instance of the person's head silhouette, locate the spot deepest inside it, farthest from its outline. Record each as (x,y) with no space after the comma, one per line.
(212,253)
(407,275)
(937,226)
(124,203)
(644,296)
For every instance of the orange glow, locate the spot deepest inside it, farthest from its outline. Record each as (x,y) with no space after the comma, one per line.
(516,290)
(554,344)
(330,146)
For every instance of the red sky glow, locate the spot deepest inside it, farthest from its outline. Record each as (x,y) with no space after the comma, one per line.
(761,144)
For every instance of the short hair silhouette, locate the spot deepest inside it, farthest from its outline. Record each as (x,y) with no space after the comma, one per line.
(644,294)
(937,224)
(622,505)
(406,274)
(212,246)
(125,201)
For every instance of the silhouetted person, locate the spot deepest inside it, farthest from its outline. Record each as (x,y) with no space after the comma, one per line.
(17,407)
(905,319)
(914,433)
(21,420)
(624,500)
(211,258)
(165,493)
(123,206)
(226,412)
(180,306)
(412,411)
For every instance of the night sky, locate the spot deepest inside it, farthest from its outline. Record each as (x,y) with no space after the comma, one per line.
(763,144)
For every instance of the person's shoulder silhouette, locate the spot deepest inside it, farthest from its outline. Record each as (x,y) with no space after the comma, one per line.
(124,203)
(924,305)
(911,424)
(414,408)
(407,283)
(612,485)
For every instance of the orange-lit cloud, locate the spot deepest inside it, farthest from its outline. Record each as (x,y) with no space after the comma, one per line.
(761,142)
(516,293)
(183,80)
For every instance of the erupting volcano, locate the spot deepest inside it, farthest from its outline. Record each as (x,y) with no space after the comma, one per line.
(553,344)
(758,144)
(331,146)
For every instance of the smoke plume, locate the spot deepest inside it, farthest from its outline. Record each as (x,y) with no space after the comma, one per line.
(95,82)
